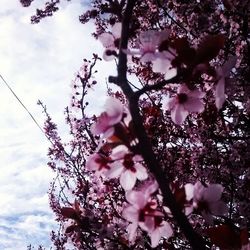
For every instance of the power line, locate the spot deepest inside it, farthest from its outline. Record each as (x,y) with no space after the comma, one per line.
(26,109)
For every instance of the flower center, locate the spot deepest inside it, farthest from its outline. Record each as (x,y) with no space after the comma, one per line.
(182,98)
(117,42)
(129,163)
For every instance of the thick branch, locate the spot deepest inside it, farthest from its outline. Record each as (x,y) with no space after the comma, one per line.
(196,241)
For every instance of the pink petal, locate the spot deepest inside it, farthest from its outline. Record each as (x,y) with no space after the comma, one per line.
(155,237)
(107,40)
(119,152)
(194,105)
(196,93)
(115,171)
(148,225)
(131,214)
(161,65)
(170,103)
(149,39)
(127,180)
(148,57)
(198,191)
(218,208)
(189,190)
(213,193)
(183,89)
(136,198)
(150,188)
(220,93)
(141,172)
(166,230)
(101,125)
(179,114)
(171,73)
(116,30)
(114,109)
(131,229)
(91,163)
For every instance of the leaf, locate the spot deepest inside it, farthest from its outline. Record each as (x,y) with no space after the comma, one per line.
(244,237)
(224,237)
(69,213)
(209,48)
(185,53)
(71,228)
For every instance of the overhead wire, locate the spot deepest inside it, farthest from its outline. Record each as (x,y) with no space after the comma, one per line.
(23,105)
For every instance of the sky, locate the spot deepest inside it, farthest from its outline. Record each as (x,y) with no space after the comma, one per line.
(38,62)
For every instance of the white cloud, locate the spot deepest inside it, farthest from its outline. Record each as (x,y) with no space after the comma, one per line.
(39,62)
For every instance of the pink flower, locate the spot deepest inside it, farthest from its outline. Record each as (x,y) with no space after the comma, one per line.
(162,64)
(126,166)
(207,200)
(185,102)
(106,121)
(110,41)
(148,45)
(143,212)
(98,162)
(223,73)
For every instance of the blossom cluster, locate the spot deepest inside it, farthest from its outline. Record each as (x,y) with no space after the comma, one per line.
(156,47)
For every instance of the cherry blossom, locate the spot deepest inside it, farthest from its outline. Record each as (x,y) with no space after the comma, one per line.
(107,119)
(110,41)
(162,64)
(143,212)
(185,102)
(126,166)
(98,163)
(223,73)
(207,200)
(148,44)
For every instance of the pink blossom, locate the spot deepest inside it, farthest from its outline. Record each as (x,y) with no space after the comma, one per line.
(223,73)
(98,162)
(207,200)
(126,166)
(162,64)
(106,121)
(110,41)
(143,212)
(148,45)
(185,102)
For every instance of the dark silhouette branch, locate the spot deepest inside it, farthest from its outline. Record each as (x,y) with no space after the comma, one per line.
(196,241)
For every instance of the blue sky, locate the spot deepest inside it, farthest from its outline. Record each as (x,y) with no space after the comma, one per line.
(39,62)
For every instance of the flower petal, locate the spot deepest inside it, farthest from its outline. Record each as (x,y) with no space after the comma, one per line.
(189,190)
(161,65)
(127,180)
(141,172)
(213,192)
(117,29)
(115,170)
(179,114)
(131,214)
(131,229)
(218,208)
(166,230)
(114,109)
(194,105)
(107,40)
(155,237)
(137,198)
(171,73)
(220,93)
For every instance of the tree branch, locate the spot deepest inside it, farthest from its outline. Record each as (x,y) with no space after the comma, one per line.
(196,241)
